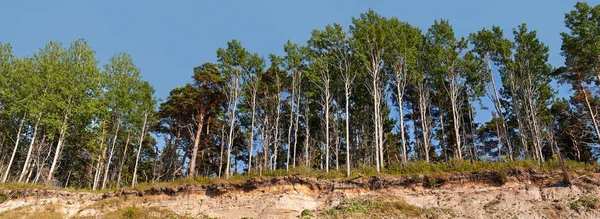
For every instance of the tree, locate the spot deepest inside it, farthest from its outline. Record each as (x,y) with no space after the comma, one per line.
(293,63)
(203,98)
(145,102)
(487,44)
(232,61)
(401,63)
(370,32)
(123,77)
(527,78)
(78,79)
(582,57)
(447,51)
(252,85)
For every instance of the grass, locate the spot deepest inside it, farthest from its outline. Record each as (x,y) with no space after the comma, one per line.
(411,169)
(586,203)
(373,209)
(22,186)
(114,202)
(3,198)
(47,212)
(306,214)
(132,212)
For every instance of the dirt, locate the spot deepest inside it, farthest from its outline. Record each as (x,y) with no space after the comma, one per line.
(519,194)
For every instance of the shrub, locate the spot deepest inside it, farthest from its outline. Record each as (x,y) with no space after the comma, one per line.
(3,198)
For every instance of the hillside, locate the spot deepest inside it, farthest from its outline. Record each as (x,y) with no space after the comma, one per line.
(521,193)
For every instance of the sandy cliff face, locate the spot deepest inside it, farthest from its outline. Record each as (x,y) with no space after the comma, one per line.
(521,194)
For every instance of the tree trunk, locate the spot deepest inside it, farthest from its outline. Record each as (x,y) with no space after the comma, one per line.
(590,110)
(337,147)
(347,95)
(456,124)
(276,143)
(327,129)
(376,123)
(231,127)
(100,156)
(30,150)
(306,133)
(380,138)
(112,151)
(137,157)
(57,152)
(252,131)
(192,164)
(221,154)
(266,142)
(123,160)
(289,137)
(498,107)
(424,124)
(40,165)
(296,127)
(14,150)
(98,170)
(443,140)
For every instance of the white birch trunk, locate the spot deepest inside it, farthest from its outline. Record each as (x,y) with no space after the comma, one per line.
(137,157)
(12,157)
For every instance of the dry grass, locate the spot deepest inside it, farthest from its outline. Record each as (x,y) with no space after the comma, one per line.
(411,169)
(49,211)
(375,209)
(132,211)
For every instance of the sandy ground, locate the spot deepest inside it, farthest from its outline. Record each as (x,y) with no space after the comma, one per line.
(517,198)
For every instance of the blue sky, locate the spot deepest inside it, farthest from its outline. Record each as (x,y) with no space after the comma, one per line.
(168,38)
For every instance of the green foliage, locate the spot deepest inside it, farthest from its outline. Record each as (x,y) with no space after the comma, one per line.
(3,198)
(356,208)
(306,214)
(131,212)
(586,203)
(92,119)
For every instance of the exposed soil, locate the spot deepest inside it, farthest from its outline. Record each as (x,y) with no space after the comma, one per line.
(517,193)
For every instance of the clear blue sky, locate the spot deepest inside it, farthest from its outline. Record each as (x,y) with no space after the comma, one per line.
(168,38)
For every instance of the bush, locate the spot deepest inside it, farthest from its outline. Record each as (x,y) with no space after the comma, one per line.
(3,198)
(131,212)
(306,214)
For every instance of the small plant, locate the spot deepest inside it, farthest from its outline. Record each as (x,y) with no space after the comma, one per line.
(372,209)
(131,212)
(306,214)
(432,183)
(587,203)
(501,176)
(3,198)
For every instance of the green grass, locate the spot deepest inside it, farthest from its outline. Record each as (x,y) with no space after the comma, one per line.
(306,214)
(373,209)
(3,198)
(586,203)
(22,186)
(394,170)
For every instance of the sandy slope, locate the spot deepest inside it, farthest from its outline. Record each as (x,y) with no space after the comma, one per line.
(467,195)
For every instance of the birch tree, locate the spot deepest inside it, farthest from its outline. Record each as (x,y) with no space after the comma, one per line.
(447,55)
(400,63)
(370,39)
(487,44)
(232,61)
(76,82)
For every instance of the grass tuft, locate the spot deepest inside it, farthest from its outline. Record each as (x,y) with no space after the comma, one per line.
(372,209)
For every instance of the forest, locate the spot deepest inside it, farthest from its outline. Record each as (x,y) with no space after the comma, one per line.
(378,94)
